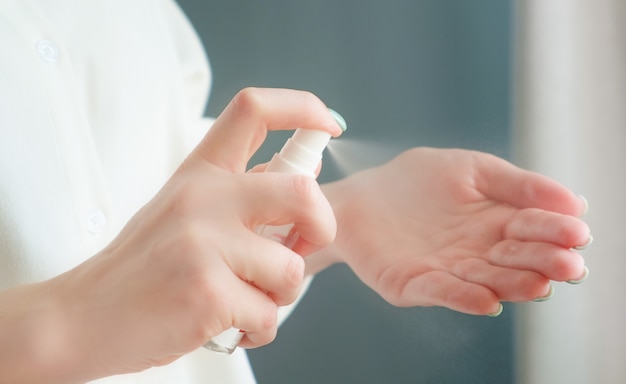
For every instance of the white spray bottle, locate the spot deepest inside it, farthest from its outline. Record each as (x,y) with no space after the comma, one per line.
(301,154)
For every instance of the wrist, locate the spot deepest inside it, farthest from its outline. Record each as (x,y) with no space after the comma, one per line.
(35,337)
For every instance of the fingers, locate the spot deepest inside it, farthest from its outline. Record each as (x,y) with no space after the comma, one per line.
(439,288)
(269,277)
(472,286)
(507,284)
(521,271)
(535,225)
(272,268)
(278,199)
(243,125)
(513,270)
(250,287)
(503,181)
(251,310)
(551,261)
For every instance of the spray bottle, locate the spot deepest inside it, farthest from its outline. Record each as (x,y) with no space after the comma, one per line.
(301,154)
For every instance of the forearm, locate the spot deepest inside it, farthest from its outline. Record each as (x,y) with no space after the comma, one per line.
(35,342)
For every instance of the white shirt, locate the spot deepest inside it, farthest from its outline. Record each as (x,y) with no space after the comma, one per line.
(100,101)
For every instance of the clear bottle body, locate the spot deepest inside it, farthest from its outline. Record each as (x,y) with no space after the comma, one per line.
(226,342)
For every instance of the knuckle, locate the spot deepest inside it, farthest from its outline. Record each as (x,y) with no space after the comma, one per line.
(512,225)
(503,250)
(294,271)
(184,198)
(248,101)
(269,319)
(215,302)
(205,305)
(466,268)
(262,338)
(250,104)
(311,100)
(215,297)
(180,251)
(304,189)
(191,239)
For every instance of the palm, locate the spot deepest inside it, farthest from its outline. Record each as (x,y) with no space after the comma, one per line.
(459,229)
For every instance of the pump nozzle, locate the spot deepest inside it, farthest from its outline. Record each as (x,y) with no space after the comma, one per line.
(302,152)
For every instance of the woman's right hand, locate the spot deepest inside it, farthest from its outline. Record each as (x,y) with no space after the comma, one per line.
(189,265)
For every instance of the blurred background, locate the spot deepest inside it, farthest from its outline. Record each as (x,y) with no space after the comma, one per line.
(539,83)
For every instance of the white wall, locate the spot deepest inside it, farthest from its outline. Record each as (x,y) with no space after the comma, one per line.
(570,123)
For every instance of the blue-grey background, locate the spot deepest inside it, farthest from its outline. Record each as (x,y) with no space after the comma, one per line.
(403,73)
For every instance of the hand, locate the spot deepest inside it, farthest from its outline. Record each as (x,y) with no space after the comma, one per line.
(459,229)
(189,265)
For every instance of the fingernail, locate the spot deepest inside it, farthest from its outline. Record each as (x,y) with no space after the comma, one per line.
(586,205)
(498,312)
(584,246)
(546,297)
(341,122)
(583,278)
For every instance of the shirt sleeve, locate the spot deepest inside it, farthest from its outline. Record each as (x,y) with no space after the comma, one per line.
(193,67)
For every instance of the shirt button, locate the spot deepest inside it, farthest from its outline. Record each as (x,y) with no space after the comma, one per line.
(48,51)
(95,221)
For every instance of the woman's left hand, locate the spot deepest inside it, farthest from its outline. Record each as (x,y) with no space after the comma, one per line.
(456,228)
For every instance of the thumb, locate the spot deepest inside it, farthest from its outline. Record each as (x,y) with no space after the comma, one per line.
(242,127)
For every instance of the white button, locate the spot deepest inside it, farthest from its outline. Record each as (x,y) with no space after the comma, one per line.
(95,221)
(48,51)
